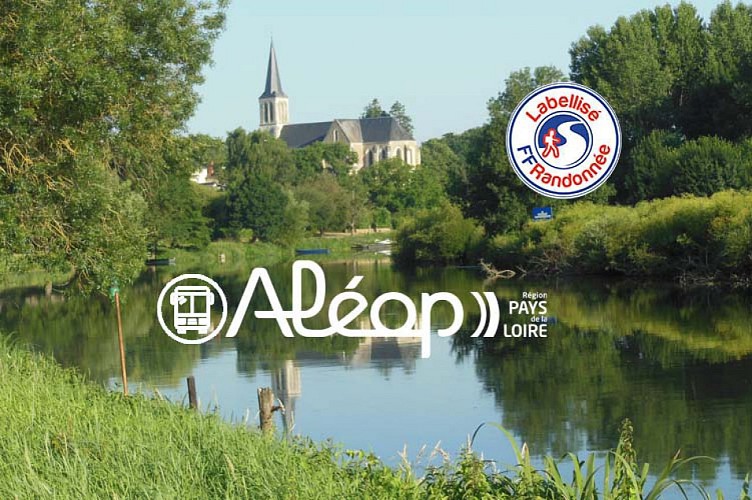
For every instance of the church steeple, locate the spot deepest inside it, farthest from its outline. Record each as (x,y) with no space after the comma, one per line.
(273,102)
(273,83)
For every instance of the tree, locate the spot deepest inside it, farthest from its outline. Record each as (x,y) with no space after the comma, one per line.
(495,195)
(439,234)
(649,67)
(311,160)
(654,161)
(257,202)
(400,114)
(708,165)
(387,183)
(93,95)
(373,110)
(259,152)
(324,197)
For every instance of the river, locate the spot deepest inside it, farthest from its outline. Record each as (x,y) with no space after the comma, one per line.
(678,363)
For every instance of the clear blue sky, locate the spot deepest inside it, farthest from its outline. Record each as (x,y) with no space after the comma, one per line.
(442,59)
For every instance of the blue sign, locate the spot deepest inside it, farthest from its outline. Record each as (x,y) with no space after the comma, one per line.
(543,213)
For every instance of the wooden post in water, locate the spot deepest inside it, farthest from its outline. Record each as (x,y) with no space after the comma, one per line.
(266,408)
(123,373)
(192,400)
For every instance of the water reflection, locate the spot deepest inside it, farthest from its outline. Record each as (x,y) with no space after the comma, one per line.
(678,363)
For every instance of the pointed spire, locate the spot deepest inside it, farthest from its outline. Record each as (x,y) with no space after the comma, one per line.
(273,83)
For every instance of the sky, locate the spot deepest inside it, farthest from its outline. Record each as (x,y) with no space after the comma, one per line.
(443,59)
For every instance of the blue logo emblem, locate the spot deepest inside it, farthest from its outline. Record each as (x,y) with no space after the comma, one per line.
(563,140)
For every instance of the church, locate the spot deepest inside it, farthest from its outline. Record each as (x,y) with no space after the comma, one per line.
(372,139)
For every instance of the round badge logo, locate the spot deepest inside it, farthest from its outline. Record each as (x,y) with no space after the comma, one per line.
(563,140)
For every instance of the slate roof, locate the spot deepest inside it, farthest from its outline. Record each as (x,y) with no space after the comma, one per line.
(363,130)
(383,129)
(273,82)
(302,134)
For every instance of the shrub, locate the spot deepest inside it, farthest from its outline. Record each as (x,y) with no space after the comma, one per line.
(667,237)
(438,234)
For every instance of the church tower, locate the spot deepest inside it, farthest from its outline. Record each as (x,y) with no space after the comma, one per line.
(273,102)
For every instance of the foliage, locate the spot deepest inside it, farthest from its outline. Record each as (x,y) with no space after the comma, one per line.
(93,95)
(439,234)
(400,114)
(664,165)
(680,237)
(257,202)
(318,157)
(260,153)
(468,477)
(373,110)
(664,69)
(324,197)
(400,188)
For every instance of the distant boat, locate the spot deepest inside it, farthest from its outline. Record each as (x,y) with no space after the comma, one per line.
(161,262)
(378,246)
(311,251)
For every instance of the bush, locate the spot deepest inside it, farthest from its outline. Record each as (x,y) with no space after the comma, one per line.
(438,234)
(668,237)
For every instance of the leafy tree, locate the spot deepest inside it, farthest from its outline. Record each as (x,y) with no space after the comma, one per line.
(259,152)
(387,182)
(495,195)
(324,197)
(400,114)
(708,165)
(439,234)
(654,160)
(649,67)
(439,158)
(373,110)
(355,205)
(295,220)
(256,201)
(93,95)
(311,160)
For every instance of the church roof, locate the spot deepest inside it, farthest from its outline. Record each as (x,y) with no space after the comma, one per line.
(363,130)
(302,134)
(273,82)
(383,129)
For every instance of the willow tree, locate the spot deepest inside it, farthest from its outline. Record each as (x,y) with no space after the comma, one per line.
(93,97)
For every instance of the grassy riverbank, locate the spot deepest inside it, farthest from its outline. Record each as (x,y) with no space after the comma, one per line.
(693,238)
(242,256)
(65,437)
(239,257)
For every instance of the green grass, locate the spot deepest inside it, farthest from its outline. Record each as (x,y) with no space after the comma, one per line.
(242,256)
(64,437)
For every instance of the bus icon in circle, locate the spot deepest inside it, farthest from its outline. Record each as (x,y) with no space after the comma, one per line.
(194,317)
(191,297)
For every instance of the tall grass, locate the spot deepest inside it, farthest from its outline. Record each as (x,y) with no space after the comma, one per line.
(64,437)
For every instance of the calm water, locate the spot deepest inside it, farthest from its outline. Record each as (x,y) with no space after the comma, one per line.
(679,364)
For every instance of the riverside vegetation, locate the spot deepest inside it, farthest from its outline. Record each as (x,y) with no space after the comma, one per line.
(64,436)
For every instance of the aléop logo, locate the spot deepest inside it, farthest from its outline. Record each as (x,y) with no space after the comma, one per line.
(193,306)
(563,140)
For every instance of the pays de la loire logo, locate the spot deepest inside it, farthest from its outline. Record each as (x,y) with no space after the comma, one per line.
(563,140)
